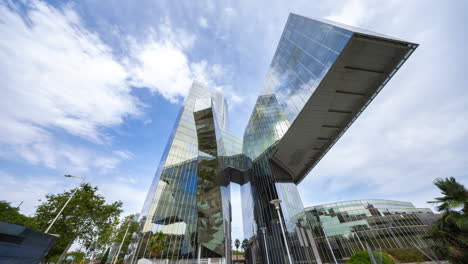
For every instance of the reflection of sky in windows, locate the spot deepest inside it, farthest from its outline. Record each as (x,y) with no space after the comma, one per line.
(305,53)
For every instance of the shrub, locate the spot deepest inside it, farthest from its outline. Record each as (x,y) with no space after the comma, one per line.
(405,255)
(362,257)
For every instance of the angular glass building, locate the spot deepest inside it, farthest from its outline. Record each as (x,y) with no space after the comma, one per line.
(322,76)
(344,228)
(188,202)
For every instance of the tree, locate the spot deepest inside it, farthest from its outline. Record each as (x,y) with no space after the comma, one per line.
(245,244)
(237,244)
(12,215)
(86,218)
(158,243)
(105,257)
(77,256)
(129,221)
(450,231)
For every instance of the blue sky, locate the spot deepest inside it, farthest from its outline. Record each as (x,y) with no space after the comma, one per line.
(92,88)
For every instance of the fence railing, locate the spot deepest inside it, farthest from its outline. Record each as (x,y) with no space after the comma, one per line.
(190,261)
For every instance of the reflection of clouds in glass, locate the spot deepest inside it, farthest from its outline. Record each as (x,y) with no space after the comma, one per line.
(304,55)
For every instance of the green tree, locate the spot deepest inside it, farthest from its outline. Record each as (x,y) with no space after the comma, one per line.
(158,242)
(77,256)
(237,245)
(105,257)
(450,231)
(85,219)
(245,244)
(12,215)
(128,221)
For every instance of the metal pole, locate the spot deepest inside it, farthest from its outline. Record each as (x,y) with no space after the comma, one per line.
(420,250)
(60,212)
(329,247)
(199,252)
(277,202)
(62,256)
(266,246)
(65,205)
(136,251)
(121,243)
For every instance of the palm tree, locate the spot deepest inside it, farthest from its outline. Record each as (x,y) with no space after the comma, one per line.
(245,245)
(450,231)
(237,245)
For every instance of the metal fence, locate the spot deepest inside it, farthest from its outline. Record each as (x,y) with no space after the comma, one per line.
(190,261)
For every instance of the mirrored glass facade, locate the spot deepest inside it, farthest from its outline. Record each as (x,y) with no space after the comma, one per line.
(322,76)
(320,79)
(344,228)
(189,200)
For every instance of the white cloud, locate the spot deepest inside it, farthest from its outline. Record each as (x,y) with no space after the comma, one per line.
(229,12)
(132,196)
(27,190)
(202,22)
(164,67)
(352,12)
(56,76)
(161,67)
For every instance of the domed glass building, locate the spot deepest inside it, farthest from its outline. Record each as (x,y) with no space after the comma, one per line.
(343,228)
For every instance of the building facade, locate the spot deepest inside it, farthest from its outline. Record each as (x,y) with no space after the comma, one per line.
(322,76)
(188,202)
(344,228)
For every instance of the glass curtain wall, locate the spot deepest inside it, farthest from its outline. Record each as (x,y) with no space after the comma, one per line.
(306,51)
(187,211)
(344,228)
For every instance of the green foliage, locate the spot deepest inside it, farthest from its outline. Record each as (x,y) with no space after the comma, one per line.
(455,195)
(78,256)
(450,231)
(129,221)
(158,242)
(362,257)
(105,257)
(405,255)
(85,219)
(12,215)
(235,252)
(237,243)
(245,244)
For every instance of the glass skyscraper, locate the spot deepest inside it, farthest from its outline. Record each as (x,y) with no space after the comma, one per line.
(188,201)
(322,76)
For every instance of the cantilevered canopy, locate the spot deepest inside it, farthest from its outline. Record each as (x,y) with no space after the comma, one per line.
(365,65)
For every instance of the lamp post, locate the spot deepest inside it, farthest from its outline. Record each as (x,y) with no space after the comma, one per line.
(266,247)
(121,243)
(71,196)
(276,203)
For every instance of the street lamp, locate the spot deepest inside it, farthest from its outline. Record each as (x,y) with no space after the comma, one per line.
(266,247)
(276,203)
(121,243)
(71,196)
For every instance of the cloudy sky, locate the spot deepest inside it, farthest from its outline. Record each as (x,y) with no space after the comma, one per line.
(92,88)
